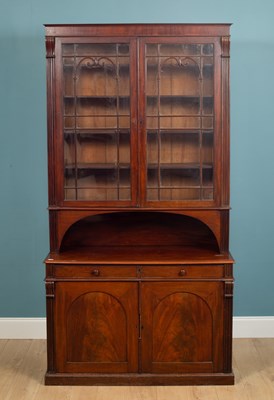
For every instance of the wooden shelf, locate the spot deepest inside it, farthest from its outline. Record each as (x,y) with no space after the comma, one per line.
(98,166)
(139,254)
(179,166)
(101,135)
(109,166)
(178,130)
(185,97)
(96,131)
(97,97)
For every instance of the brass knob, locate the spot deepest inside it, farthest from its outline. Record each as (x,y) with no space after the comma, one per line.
(182,272)
(95,272)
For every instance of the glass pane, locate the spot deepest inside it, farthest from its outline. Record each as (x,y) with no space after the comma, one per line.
(179,49)
(152,49)
(179,194)
(123,48)
(180,177)
(92,122)
(152,178)
(178,105)
(70,194)
(172,194)
(207,194)
(95,49)
(152,87)
(208,48)
(96,76)
(100,194)
(180,148)
(207,163)
(207,147)
(208,72)
(152,194)
(180,121)
(208,105)
(180,76)
(98,148)
(68,49)
(207,123)
(152,147)
(124,194)
(96,108)
(207,176)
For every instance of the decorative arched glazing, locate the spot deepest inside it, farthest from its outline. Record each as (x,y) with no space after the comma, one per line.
(97,122)
(180,121)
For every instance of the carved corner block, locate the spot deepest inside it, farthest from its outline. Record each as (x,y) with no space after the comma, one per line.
(50,47)
(225,45)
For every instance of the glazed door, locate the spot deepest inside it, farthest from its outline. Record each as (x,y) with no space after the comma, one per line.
(96,327)
(180,121)
(96,121)
(182,327)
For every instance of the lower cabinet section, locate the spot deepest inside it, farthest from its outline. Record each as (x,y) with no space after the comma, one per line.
(139,331)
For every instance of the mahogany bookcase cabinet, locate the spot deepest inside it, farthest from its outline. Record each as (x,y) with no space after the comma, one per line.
(139,277)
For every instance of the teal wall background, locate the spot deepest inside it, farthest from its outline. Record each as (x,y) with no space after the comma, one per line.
(23,165)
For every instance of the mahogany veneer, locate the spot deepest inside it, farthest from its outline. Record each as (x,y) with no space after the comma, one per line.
(139,280)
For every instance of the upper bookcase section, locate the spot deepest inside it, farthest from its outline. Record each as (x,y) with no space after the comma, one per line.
(138,115)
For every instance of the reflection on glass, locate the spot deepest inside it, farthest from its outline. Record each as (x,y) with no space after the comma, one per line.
(96,121)
(179,121)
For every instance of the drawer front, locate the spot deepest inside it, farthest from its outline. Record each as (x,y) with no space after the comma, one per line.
(183,271)
(94,271)
(141,272)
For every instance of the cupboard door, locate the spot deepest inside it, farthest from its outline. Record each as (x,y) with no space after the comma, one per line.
(182,327)
(98,129)
(96,327)
(180,120)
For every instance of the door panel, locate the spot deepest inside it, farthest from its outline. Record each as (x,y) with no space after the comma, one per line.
(98,129)
(96,327)
(179,112)
(182,327)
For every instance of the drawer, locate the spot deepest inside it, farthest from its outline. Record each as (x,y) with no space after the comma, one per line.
(183,271)
(94,271)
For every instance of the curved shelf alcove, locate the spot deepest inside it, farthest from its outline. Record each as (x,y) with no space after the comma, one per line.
(139,236)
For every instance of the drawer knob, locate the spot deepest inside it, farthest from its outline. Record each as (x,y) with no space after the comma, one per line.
(182,272)
(95,272)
